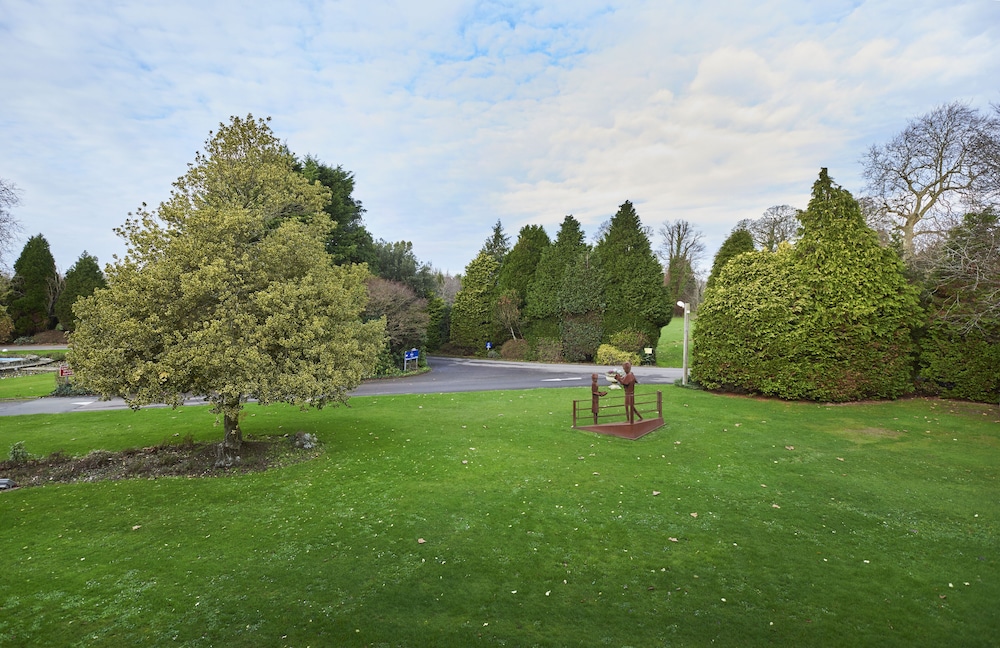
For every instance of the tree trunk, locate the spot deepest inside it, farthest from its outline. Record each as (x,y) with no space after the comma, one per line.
(232,441)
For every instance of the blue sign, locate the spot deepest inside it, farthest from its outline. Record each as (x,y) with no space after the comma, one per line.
(489,345)
(412,354)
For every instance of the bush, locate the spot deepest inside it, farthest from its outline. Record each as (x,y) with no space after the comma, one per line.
(515,350)
(630,340)
(610,355)
(957,364)
(548,350)
(18,455)
(581,335)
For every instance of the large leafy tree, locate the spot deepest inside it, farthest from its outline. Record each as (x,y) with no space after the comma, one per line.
(633,279)
(473,315)
(828,319)
(34,288)
(227,292)
(349,241)
(81,280)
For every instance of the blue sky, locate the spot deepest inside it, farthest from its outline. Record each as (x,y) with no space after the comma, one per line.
(453,114)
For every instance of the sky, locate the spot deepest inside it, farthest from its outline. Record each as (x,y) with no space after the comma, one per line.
(455,114)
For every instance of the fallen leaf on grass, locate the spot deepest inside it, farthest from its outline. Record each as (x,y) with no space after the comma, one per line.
(789,447)
(421,541)
(673,539)
(694,515)
(840,458)
(775,506)
(136,527)
(655,493)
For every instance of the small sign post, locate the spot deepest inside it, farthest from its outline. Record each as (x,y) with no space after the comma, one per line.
(411,355)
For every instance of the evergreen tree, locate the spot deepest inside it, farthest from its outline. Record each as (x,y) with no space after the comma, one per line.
(397,262)
(543,293)
(34,288)
(518,269)
(349,241)
(829,319)
(739,241)
(82,279)
(581,302)
(473,315)
(498,244)
(635,296)
(227,292)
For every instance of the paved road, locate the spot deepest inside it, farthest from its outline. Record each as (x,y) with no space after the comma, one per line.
(446,375)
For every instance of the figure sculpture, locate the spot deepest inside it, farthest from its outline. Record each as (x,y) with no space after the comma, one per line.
(628,382)
(595,396)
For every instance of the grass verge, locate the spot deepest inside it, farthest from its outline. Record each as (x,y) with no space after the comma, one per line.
(481,518)
(28,386)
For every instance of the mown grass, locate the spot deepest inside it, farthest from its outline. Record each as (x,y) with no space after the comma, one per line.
(742,522)
(30,386)
(670,347)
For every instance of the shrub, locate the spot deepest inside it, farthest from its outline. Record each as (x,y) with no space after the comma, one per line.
(548,350)
(581,335)
(610,355)
(515,350)
(630,340)
(960,364)
(18,455)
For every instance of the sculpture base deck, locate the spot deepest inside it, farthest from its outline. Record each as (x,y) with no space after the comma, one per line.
(625,430)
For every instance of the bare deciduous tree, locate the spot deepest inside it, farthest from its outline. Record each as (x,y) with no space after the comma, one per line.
(9,226)
(681,249)
(777,225)
(966,270)
(932,168)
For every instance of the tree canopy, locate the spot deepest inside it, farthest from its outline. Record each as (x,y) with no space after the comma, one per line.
(34,287)
(227,292)
(81,280)
(828,319)
(349,241)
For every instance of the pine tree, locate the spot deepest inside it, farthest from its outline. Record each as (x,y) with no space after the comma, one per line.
(518,269)
(498,244)
(34,288)
(542,299)
(633,279)
(82,279)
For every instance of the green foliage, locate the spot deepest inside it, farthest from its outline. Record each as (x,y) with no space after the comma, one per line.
(518,349)
(6,324)
(581,336)
(632,277)
(472,314)
(18,454)
(548,349)
(544,292)
(34,287)
(518,269)
(82,279)
(227,292)
(497,245)
(829,319)
(348,241)
(957,362)
(611,355)
(630,340)
(397,262)
(438,323)
(737,243)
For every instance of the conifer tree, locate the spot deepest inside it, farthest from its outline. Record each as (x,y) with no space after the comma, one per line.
(634,293)
(542,300)
(518,269)
(738,242)
(34,288)
(82,279)
(473,315)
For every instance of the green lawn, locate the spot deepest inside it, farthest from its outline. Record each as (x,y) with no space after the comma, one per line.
(31,386)
(670,348)
(742,523)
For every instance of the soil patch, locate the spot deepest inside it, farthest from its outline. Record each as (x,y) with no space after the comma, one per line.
(184,459)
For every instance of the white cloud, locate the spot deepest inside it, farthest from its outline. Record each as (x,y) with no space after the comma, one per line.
(454,114)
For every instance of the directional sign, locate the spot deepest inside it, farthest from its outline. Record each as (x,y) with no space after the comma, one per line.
(412,354)
(65,372)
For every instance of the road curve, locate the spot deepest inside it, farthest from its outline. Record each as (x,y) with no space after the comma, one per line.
(447,375)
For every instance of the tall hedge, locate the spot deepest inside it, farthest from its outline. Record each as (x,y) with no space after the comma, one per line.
(961,363)
(829,319)
(34,287)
